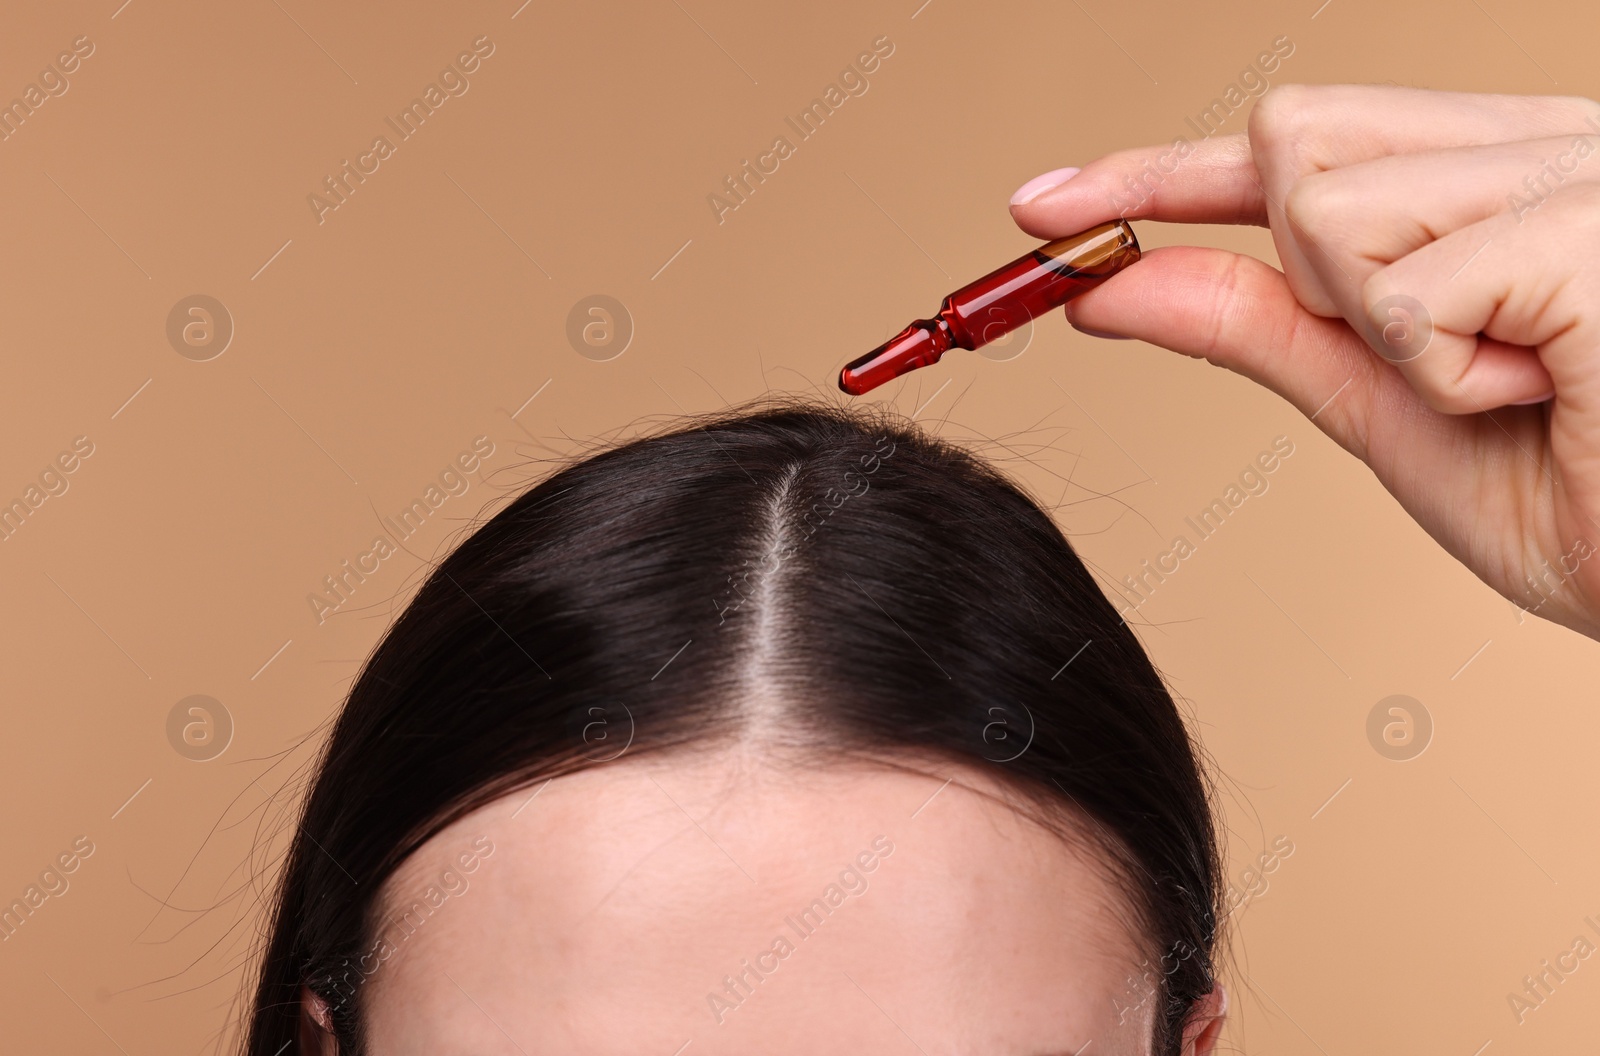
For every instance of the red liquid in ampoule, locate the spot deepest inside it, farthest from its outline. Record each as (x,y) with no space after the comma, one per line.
(988,309)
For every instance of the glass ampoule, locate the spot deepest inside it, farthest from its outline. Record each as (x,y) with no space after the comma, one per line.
(993,306)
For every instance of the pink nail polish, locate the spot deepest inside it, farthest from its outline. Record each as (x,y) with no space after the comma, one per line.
(1108,335)
(1039,184)
(1536,399)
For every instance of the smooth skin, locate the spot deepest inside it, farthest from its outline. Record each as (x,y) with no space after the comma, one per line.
(615,903)
(1480,410)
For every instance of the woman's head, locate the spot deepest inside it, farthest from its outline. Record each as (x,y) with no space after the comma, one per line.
(796,678)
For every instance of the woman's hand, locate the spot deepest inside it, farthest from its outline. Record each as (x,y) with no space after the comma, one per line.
(1441,281)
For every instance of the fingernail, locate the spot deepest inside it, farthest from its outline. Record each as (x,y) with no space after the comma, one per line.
(1536,399)
(1039,184)
(1102,333)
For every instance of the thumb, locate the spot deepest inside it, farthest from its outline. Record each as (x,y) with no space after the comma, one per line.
(1239,313)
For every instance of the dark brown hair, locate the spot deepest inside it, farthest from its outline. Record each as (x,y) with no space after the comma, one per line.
(897,594)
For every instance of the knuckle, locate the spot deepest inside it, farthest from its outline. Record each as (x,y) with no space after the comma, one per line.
(1314,200)
(1398,326)
(1436,384)
(1377,287)
(1285,133)
(1280,113)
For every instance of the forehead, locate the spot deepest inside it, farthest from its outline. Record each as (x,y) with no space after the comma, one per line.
(732,906)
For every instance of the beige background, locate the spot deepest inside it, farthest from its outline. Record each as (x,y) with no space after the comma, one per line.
(431,309)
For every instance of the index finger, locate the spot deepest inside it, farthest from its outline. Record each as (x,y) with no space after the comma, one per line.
(1298,129)
(1213,181)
